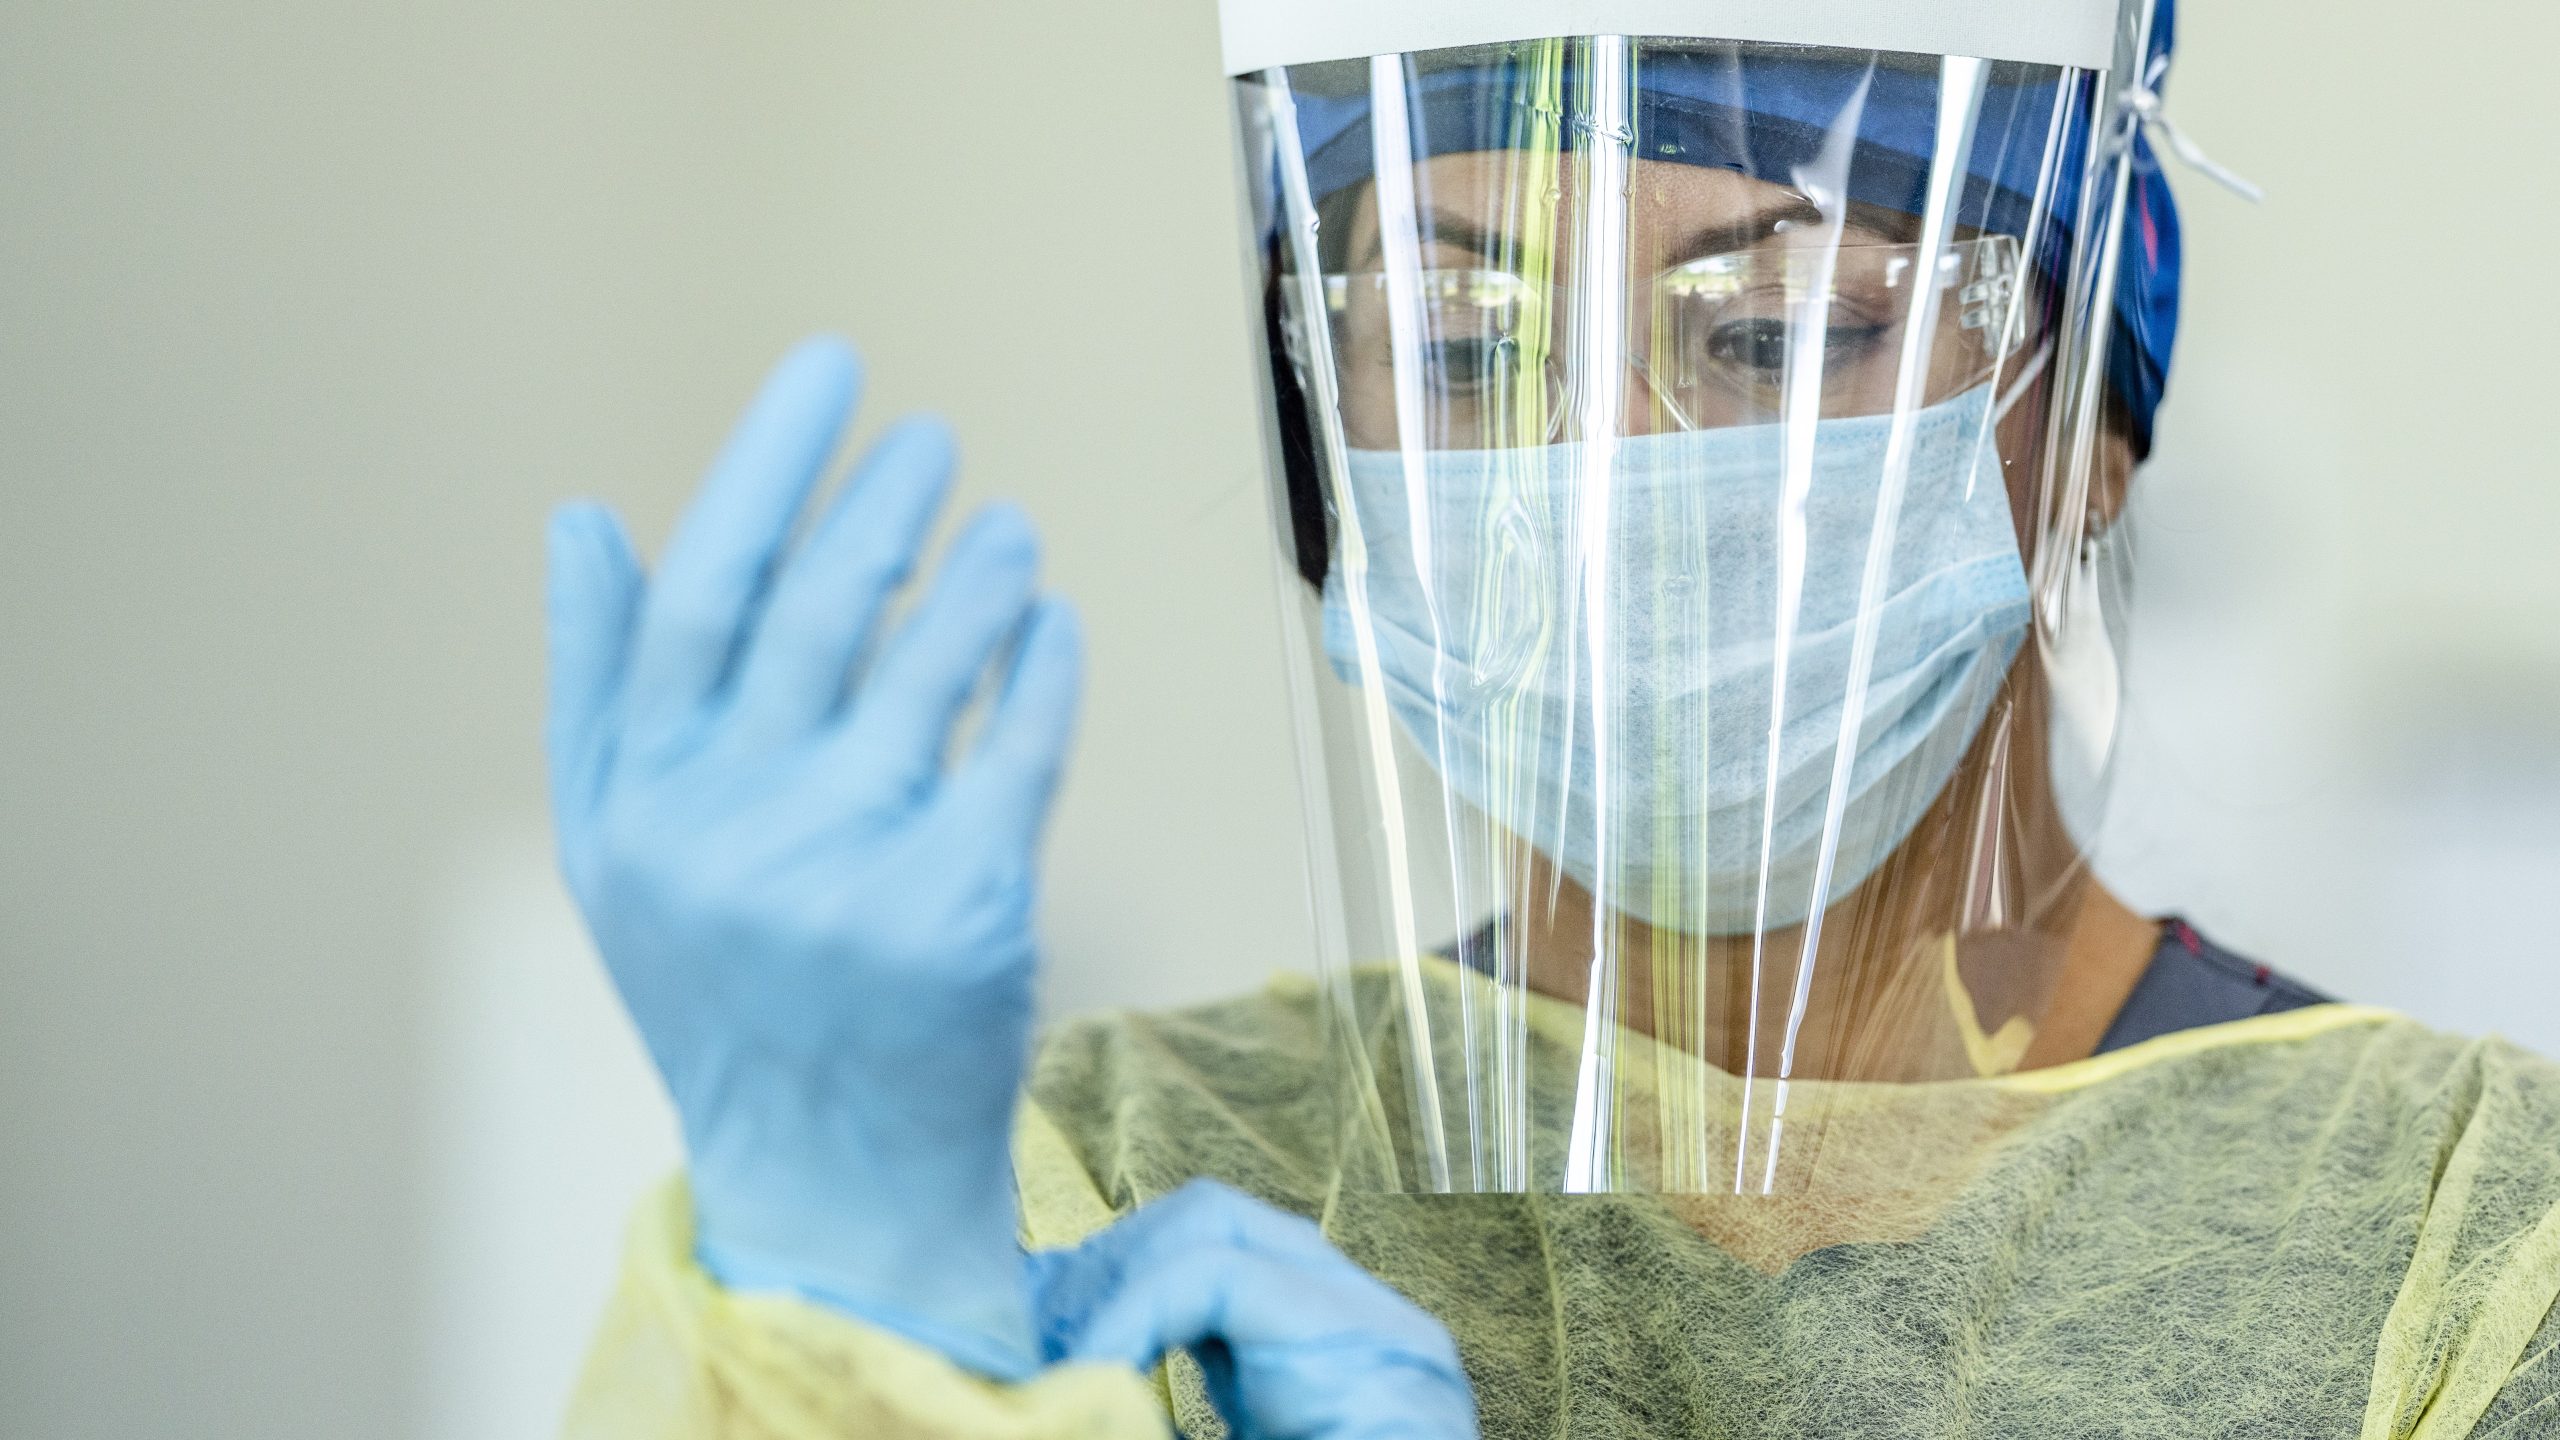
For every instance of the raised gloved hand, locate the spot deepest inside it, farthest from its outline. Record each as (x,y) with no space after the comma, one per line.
(1297,1342)
(820,919)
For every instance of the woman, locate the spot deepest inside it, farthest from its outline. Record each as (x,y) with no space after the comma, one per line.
(1698,464)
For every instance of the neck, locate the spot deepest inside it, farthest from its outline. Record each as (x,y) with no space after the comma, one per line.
(1884,1002)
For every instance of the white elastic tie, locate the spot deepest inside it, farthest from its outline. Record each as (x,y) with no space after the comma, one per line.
(2148,111)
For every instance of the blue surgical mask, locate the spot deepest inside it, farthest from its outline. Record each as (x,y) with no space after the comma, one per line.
(1590,643)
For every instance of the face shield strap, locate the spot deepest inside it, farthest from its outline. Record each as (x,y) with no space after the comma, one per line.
(2147,112)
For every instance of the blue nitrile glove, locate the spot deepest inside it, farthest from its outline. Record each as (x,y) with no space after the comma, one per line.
(820,922)
(1297,1342)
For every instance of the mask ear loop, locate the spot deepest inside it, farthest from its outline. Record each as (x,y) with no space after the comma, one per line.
(2017,390)
(1660,392)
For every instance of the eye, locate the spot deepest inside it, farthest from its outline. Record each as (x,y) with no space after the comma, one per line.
(1758,345)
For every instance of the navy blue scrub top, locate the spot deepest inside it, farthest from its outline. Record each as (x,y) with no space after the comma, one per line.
(2192,983)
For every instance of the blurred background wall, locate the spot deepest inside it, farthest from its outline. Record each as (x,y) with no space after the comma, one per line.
(315,1120)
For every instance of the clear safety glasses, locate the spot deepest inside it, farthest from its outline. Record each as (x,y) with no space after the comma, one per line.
(1712,341)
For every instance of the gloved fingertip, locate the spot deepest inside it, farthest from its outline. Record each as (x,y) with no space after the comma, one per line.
(1004,522)
(997,543)
(799,410)
(571,524)
(923,436)
(915,457)
(590,522)
(1058,628)
(587,552)
(825,358)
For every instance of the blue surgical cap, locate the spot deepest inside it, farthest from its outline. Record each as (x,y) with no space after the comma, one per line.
(1765,112)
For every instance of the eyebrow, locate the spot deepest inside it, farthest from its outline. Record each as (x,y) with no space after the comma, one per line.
(1440,227)
(1738,232)
(1714,237)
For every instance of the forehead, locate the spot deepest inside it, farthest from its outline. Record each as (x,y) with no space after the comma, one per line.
(1669,204)
(1505,183)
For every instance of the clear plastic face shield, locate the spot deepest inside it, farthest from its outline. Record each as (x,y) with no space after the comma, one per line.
(1692,488)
